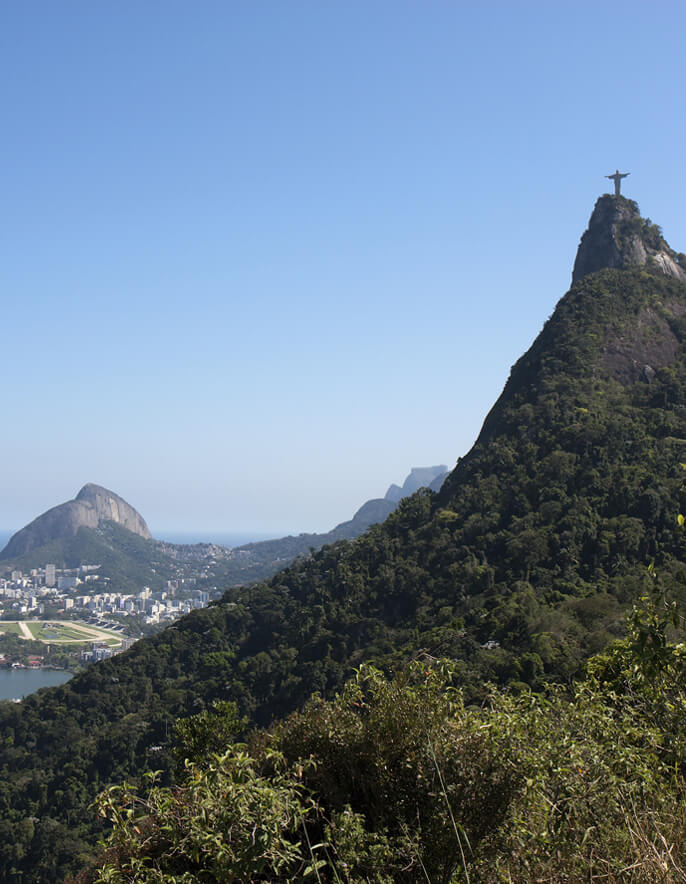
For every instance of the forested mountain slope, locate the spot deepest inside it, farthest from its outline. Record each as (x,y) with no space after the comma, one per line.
(518,569)
(260,560)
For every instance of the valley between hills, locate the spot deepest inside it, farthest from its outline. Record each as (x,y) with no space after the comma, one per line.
(486,685)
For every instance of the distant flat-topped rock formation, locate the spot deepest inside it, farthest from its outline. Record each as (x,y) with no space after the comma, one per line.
(420,477)
(91,506)
(618,237)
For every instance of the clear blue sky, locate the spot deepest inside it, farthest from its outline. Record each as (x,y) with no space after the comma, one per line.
(261,258)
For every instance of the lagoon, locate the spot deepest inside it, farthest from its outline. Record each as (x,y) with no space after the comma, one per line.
(18,683)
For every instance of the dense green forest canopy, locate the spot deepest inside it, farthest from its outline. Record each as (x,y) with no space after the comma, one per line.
(518,570)
(395,780)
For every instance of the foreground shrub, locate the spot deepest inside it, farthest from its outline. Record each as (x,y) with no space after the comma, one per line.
(226,823)
(395,781)
(419,770)
(604,790)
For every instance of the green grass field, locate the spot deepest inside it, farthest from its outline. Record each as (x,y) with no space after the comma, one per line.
(61,632)
(9,628)
(51,631)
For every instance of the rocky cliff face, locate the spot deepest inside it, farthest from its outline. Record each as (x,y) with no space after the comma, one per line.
(91,506)
(619,237)
(420,477)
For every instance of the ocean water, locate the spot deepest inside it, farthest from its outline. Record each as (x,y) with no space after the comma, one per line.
(229,538)
(224,538)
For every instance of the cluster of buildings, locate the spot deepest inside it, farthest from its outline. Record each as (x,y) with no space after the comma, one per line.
(83,592)
(50,577)
(153,607)
(100,651)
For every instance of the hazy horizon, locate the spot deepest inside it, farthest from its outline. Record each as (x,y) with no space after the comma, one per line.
(223,538)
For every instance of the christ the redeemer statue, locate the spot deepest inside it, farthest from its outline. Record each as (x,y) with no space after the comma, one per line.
(617,177)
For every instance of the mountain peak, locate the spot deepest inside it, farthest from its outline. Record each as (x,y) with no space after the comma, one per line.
(419,477)
(91,506)
(617,236)
(90,491)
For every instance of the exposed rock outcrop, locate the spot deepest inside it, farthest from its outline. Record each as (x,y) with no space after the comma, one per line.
(91,506)
(420,477)
(650,345)
(617,236)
